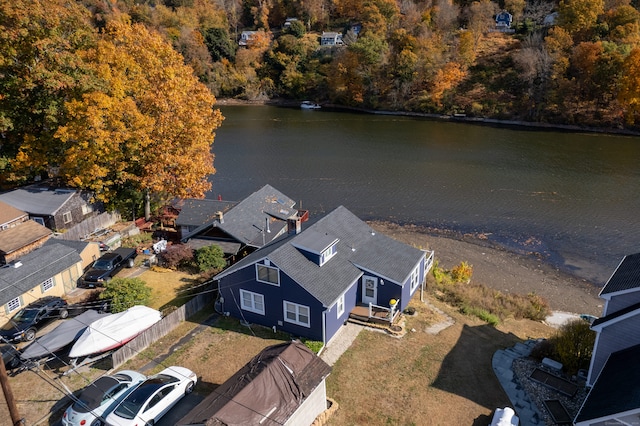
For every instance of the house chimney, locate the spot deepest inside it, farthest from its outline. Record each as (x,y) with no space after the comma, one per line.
(266,219)
(220,216)
(294,226)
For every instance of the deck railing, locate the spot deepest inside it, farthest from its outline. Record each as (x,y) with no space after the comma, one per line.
(391,312)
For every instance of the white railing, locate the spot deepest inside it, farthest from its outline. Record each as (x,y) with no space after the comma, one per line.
(391,312)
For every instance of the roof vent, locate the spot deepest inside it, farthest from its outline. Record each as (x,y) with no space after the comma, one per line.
(17,264)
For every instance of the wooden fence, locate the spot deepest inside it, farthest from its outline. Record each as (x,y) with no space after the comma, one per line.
(164,326)
(89,226)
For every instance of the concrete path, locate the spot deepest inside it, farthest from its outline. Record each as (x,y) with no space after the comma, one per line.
(340,342)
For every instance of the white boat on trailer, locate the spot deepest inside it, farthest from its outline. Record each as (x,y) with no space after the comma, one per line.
(114,331)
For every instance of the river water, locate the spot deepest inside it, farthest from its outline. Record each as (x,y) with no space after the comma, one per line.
(572,198)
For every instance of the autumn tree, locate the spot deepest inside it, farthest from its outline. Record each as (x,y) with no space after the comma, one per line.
(149,128)
(629,95)
(578,16)
(39,71)
(479,16)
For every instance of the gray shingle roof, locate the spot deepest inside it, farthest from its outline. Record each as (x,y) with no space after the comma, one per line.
(359,249)
(37,267)
(617,389)
(197,212)
(256,220)
(38,201)
(22,235)
(625,277)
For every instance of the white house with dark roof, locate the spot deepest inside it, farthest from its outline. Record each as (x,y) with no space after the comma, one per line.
(308,283)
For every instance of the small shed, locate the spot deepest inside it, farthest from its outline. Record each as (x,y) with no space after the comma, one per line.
(282,385)
(503,20)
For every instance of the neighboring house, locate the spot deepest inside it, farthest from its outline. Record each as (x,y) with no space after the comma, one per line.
(619,326)
(22,239)
(288,21)
(282,385)
(307,283)
(503,20)
(51,270)
(245,37)
(614,399)
(331,39)
(11,216)
(550,19)
(614,372)
(245,226)
(56,208)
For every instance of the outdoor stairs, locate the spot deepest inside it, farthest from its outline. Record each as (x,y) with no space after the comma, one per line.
(502,360)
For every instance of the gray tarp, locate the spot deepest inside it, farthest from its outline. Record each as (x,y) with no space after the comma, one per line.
(266,391)
(62,335)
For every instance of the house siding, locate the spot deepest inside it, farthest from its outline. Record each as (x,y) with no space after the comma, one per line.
(407,294)
(311,407)
(613,338)
(333,321)
(619,302)
(74,206)
(274,296)
(58,289)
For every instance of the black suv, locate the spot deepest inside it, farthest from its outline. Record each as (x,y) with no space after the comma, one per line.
(28,320)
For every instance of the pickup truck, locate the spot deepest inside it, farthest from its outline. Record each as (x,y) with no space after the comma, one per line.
(107,266)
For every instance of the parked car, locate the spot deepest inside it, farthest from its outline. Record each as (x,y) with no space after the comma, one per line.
(10,356)
(107,266)
(153,398)
(97,400)
(33,317)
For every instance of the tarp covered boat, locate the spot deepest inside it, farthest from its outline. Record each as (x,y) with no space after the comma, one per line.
(114,331)
(64,334)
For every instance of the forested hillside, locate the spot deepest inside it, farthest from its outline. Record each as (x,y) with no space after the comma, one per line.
(92,90)
(572,62)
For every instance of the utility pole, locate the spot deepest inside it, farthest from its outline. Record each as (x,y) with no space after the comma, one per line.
(8,396)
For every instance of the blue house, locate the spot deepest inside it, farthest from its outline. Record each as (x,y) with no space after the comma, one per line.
(503,20)
(308,282)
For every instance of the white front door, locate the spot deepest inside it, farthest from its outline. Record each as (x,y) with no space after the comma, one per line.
(369,290)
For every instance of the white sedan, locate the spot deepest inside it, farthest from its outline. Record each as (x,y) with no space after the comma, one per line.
(153,398)
(100,397)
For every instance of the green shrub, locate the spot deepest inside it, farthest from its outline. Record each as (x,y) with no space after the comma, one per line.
(314,345)
(573,345)
(482,314)
(210,258)
(123,293)
(138,239)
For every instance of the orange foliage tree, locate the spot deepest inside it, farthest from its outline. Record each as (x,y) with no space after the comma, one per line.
(150,127)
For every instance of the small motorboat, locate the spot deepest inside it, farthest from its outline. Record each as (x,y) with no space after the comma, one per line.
(309,105)
(114,331)
(64,334)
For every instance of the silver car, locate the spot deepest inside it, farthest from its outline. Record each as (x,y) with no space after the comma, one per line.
(97,400)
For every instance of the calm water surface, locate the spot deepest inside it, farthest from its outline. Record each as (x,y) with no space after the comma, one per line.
(574,198)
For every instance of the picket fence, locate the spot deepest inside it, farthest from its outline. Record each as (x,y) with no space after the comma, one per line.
(164,326)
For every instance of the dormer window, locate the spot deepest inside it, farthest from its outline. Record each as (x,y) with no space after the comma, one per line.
(267,274)
(317,247)
(328,254)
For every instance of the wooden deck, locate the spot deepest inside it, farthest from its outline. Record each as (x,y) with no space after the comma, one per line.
(361,313)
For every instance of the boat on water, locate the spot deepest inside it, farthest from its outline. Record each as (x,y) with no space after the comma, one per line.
(61,336)
(114,331)
(309,105)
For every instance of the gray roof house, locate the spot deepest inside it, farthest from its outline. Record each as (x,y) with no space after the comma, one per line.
(56,208)
(614,372)
(307,283)
(51,270)
(251,223)
(283,385)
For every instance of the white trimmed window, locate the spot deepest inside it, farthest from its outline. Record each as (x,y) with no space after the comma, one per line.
(86,209)
(328,254)
(66,217)
(415,278)
(13,304)
(296,314)
(47,285)
(340,307)
(38,220)
(252,302)
(267,274)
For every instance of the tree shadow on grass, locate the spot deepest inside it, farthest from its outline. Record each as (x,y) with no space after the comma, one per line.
(467,369)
